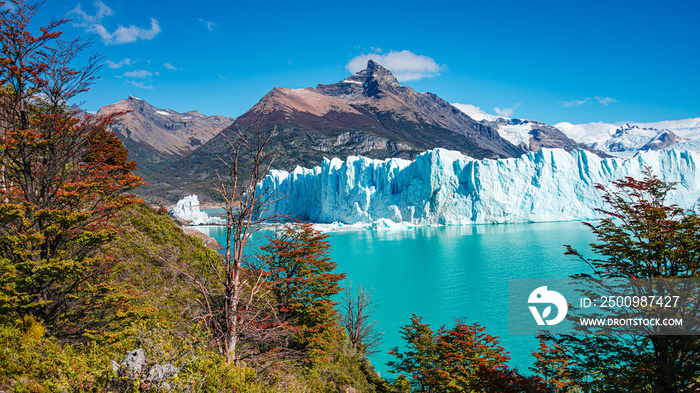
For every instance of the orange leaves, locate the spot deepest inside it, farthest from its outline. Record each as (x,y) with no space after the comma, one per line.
(459,359)
(62,179)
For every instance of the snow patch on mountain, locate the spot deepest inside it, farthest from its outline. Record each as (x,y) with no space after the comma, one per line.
(516,133)
(446,187)
(513,133)
(625,139)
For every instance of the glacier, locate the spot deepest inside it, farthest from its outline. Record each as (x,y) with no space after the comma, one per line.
(187,209)
(445,187)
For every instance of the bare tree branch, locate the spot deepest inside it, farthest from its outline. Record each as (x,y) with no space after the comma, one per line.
(358,309)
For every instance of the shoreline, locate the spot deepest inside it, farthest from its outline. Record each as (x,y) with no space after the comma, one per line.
(385,226)
(205,205)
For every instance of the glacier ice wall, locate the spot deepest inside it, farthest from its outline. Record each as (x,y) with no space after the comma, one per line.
(446,187)
(187,209)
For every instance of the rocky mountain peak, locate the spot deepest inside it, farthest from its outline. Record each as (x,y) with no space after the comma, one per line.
(194,113)
(135,99)
(370,82)
(377,77)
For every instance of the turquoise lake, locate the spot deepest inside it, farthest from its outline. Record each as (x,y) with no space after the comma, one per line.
(443,273)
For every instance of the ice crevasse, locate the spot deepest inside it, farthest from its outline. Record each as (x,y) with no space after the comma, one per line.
(445,187)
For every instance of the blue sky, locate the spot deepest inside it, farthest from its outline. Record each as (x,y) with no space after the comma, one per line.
(550,61)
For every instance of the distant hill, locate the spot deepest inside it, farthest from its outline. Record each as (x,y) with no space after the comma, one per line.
(158,137)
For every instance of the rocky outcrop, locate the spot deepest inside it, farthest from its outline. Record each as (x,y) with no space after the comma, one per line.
(377,88)
(135,369)
(662,141)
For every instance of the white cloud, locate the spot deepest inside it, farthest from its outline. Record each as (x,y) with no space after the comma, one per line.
(120,64)
(102,11)
(506,112)
(139,74)
(169,66)
(122,35)
(141,85)
(125,35)
(574,103)
(605,100)
(472,111)
(210,25)
(405,65)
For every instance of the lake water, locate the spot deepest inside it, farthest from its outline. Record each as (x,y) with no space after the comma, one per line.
(443,273)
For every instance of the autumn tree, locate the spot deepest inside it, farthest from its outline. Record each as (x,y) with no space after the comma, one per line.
(62,179)
(460,359)
(304,285)
(641,237)
(419,360)
(553,366)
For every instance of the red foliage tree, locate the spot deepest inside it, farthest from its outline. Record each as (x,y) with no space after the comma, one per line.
(299,265)
(459,359)
(62,180)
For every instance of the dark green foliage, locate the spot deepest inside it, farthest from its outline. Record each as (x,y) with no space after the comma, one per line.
(153,250)
(642,236)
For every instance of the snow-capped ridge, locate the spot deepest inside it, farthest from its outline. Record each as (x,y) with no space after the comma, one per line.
(625,139)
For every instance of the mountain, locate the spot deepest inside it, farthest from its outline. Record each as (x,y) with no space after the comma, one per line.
(446,187)
(369,113)
(530,135)
(628,139)
(158,137)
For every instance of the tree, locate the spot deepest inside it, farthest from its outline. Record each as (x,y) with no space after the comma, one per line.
(304,285)
(358,310)
(459,359)
(63,178)
(641,237)
(553,366)
(235,289)
(419,361)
